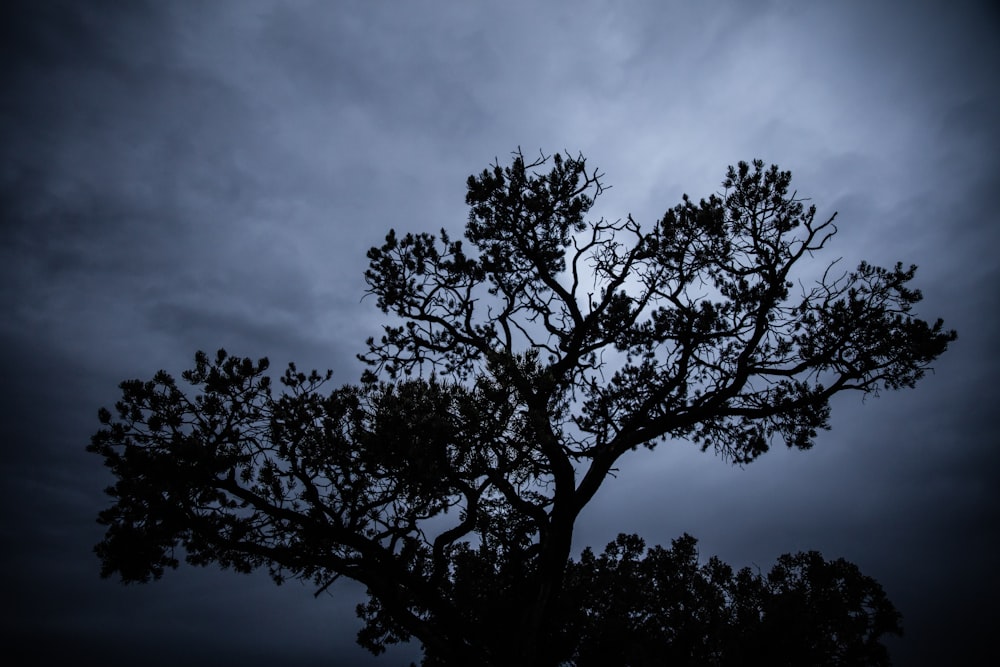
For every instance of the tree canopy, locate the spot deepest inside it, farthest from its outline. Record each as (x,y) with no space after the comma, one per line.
(517,367)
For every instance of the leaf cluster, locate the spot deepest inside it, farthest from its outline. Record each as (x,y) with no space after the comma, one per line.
(631,608)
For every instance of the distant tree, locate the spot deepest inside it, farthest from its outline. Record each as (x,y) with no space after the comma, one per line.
(515,374)
(663,608)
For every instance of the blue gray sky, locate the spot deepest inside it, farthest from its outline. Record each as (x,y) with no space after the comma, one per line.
(186,175)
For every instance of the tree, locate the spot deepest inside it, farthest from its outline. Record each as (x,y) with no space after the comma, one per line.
(515,372)
(663,608)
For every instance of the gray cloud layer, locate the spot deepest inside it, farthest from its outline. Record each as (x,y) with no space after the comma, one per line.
(176,176)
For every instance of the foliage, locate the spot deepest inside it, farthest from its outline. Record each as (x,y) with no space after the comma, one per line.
(513,375)
(632,609)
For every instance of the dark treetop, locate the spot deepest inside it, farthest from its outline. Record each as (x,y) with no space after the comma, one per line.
(514,374)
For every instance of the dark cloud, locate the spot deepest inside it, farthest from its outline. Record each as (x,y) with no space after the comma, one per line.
(182,176)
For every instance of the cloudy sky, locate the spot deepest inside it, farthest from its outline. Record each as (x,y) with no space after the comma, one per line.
(186,175)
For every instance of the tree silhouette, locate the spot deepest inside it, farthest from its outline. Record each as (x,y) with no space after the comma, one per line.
(663,608)
(512,376)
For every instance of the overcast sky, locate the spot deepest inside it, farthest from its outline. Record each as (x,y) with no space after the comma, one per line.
(177,176)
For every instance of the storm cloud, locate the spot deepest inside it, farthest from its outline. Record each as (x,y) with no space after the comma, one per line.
(183,176)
